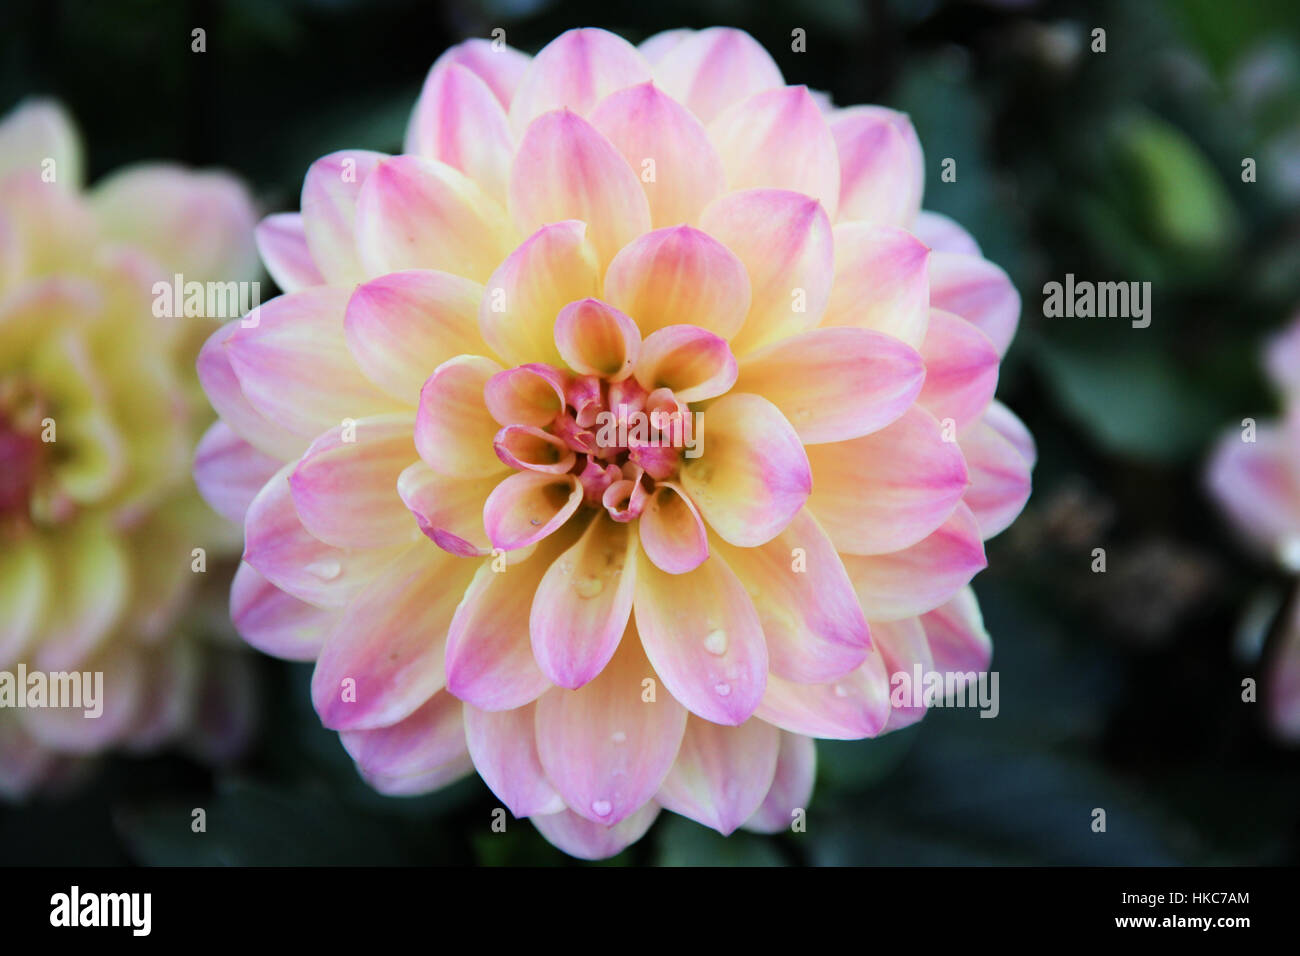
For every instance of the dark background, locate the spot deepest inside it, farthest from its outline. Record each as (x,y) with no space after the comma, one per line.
(1119,690)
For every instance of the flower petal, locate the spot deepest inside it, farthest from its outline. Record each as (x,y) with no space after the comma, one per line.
(416,213)
(679,276)
(943,234)
(221,385)
(459,766)
(881,282)
(453,429)
(812,622)
(693,362)
(275,622)
(979,292)
(38,130)
(956,635)
(564,169)
(778,139)
(553,267)
(345,486)
(908,660)
(604,747)
(887,490)
(833,384)
(93,569)
(499,66)
(384,657)
(459,121)
(526,395)
(582,604)
(282,244)
(197,223)
(278,546)
(490,661)
(655,47)
(961,369)
(999,452)
(1258,485)
(448,510)
(535,449)
(672,531)
(679,169)
(503,744)
(294,367)
(229,472)
(919,578)
(401,326)
(578,836)
(25,587)
(722,774)
(850,708)
(783,239)
(430,737)
(597,339)
(528,506)
(575,71)
(1282,358)
(703,638)
(792,785)
(713,69)
(753,475)
(329,212)
(882,169)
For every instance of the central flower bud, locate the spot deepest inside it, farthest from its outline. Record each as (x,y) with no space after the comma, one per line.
(617,421)
(614,435)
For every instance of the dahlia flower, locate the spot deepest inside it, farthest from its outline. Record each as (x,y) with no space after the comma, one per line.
(620,436)
(1255,476)
(99,413)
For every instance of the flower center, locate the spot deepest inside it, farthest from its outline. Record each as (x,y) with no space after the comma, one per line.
(616,436)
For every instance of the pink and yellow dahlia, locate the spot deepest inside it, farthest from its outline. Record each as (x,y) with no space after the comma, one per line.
(1255,476)
(99,414)
(622,435)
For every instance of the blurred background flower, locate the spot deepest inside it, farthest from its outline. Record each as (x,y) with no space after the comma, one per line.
(1120,689)
(99,525)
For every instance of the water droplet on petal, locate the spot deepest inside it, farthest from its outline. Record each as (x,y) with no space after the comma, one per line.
(601,807)
(618,737)
(722,690)
(588,586)
(326,570)
(841,690)
(716,642)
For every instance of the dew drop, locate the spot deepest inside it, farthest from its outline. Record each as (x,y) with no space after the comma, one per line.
(722,690)
(325,570)
(588,586)
(841,690)
(601,807)
(716,642)
(618,737)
